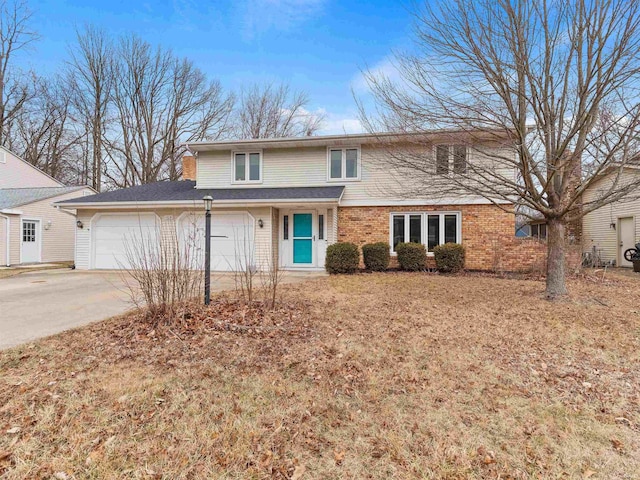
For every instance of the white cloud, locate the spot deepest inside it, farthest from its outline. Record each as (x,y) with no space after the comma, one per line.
(384,68)
(335,124)
(263,15)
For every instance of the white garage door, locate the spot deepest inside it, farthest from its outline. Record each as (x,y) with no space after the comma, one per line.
(232,246)
(114,235)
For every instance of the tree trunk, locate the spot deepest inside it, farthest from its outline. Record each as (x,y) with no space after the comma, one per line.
(556,240)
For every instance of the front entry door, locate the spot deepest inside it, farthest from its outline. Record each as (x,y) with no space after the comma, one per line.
(30,241)
(627,231)
(303,238)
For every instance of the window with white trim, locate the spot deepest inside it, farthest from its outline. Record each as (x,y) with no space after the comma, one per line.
(451,158)
(429,228)
(344,163)
(247,167)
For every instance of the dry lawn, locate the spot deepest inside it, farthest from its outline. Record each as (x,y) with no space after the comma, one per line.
(372,376)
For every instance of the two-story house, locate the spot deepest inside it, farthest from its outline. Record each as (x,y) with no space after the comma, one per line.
(32,230)
(285,200)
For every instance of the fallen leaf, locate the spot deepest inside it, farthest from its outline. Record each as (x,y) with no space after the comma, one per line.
(14,430)
(338,455)
(617,444)
(4,455)
(588,474)
(298,472)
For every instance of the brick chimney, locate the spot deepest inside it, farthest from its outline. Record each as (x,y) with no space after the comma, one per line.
(188,167)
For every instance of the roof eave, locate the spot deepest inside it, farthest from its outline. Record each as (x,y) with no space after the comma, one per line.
(326,140)
(197,203)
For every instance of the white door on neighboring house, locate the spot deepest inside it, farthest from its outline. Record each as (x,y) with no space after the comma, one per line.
(627,234)
(30,241)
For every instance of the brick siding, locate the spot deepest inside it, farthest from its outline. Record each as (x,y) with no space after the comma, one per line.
(488,234)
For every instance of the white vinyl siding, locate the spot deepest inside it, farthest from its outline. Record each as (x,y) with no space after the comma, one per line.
(303,167)
(597,230)
(57,237)
(16,173)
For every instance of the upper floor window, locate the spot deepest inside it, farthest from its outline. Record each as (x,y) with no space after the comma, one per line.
(344,163)
(451,158)
(247,167)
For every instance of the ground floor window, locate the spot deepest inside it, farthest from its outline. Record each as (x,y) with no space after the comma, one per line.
(430,228)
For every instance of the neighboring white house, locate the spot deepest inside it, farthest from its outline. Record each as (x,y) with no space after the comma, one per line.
(285,200)
(615,228)
(32,229)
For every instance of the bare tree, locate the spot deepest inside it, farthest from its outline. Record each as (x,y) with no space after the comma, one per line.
(551,85)
(161,102)
(15,35)
(43,133)
(271,111)
(90,77)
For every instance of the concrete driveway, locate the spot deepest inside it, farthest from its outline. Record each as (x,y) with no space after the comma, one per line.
(38,304)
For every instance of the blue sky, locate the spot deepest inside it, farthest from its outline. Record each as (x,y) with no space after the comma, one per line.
(318,46)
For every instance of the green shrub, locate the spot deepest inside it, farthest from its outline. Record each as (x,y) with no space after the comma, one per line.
(449,257)
(376,256)
(342,258)
(412,256)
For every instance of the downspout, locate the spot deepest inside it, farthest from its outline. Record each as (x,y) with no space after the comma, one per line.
(8,239)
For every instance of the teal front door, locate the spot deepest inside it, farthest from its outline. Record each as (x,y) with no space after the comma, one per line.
(302,238)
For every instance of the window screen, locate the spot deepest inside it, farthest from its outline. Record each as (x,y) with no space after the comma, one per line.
(415,228)
(398,230)
(254,166)
(240,167)
(442,159)
(459,159)
(336,163)
(433,232)
(352,163)
(450,228)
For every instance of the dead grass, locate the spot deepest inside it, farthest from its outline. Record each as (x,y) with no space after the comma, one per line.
(370,376)
(12,271)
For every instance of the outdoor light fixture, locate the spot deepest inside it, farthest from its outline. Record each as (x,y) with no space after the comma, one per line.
(47,225)
(79,224)
(613,225)
(260,223)
(208,201)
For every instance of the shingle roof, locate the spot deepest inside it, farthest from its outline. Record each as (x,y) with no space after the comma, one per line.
(185,190)
(15,197)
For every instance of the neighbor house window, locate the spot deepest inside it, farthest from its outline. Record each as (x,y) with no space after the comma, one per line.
(285,227)
(539,230)
(344,163)
(429,228)
(448,156)
(247,167)
(320,227)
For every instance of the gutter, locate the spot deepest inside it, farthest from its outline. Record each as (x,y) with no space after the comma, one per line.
(196,203)
(8,239)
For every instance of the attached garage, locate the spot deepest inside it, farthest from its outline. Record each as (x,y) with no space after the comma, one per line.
(246,228)
(232,239)
(114,235)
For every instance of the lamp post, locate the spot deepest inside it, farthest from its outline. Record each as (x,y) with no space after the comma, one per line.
(208,200)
